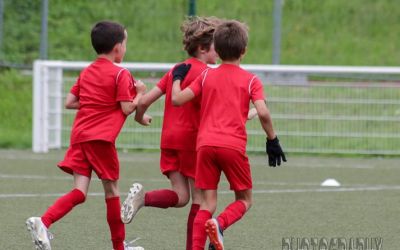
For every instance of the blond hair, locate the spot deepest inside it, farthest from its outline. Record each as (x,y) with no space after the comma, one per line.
(198,32)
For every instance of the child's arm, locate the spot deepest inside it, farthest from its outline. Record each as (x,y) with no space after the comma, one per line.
(180,97)
(72,101)
(129,107)
(265,118)
(144,104)
(273,148)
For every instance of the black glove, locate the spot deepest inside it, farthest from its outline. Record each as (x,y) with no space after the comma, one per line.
(274,152)
(180,71)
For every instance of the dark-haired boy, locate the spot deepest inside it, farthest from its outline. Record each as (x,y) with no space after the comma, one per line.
(104,94)
(221,142)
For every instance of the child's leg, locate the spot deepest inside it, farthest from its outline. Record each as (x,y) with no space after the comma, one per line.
(207,208)
(192,213)
(165,198)
(67,202)
(235,211)
(162,198)
(117,228)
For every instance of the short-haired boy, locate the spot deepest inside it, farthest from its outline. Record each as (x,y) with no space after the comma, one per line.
(104,95)
(179,131)
(221,143)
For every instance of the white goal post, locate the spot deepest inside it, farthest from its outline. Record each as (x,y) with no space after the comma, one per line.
(316,109)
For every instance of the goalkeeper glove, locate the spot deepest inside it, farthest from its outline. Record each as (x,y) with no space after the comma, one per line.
(274,152)
(180,71)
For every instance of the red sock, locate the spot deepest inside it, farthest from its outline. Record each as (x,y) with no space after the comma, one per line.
(199,230)
(189,230)
(62,206)
(232,213)
(117,228)
(163,198)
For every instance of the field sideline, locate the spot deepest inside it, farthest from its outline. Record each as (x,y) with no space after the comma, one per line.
(288,202)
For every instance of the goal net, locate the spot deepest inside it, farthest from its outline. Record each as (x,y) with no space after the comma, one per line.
(315,109)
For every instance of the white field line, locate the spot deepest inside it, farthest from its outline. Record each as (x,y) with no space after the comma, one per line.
(224,182)
(69,178)
(257,191)
(350,164)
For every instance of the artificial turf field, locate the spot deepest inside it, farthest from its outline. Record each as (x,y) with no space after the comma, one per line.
(288,203)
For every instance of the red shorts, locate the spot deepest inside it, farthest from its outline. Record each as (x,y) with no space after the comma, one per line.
(98,156)
(213,160)
(183,161)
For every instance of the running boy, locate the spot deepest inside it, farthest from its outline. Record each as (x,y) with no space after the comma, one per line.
(104,95)
(221,143)
(179,132)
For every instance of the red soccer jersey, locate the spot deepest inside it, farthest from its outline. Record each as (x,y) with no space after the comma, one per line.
(226,94)
(100,87)
(180,125)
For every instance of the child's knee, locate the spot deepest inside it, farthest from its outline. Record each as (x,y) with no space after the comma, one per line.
(183,199)
(248,202)
(79,196)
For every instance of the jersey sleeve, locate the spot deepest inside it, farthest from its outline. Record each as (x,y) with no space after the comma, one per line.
(75,89)
(197,85)
(126,90)
(162,84)
(256,90)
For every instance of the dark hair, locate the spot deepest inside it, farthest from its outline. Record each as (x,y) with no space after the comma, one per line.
(230,40)
(105,35)
(198,31)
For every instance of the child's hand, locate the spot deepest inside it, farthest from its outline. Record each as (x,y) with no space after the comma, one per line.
(140,87)
(180,71)
(252,114)
(146,120)
(274,152)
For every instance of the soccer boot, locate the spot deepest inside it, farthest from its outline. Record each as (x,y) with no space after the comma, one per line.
(40,235)
(215,234)
(132,203)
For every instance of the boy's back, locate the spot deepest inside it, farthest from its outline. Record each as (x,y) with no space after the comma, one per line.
(181,124)
(100,88)
(226,95)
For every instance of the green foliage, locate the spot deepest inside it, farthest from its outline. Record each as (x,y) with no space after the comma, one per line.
(329,32)
(15,109)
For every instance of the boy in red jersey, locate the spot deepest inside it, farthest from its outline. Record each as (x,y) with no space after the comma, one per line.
(221,143)
(179,131)
(104,95)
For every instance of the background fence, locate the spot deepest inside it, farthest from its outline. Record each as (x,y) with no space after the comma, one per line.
(345,110)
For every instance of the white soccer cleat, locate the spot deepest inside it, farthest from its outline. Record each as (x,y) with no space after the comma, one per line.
(132,203)
(215,235)
(40,235)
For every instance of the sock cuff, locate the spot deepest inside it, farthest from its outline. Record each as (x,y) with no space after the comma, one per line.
(195,207)
(204,214)
(110,199)
(242,204)
(78,196)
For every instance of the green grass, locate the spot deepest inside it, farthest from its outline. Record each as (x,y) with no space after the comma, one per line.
(288,202)
(15,109)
